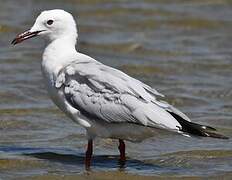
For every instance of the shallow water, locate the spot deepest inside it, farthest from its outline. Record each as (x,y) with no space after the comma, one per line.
(182,48)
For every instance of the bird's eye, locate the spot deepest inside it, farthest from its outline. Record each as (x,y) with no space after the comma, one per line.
(50,22)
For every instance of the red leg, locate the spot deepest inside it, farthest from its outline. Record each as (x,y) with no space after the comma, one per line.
(88,154)
(122,148)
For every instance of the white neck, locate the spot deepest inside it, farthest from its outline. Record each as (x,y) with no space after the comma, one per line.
(58,53)
(60,48)
(70,36)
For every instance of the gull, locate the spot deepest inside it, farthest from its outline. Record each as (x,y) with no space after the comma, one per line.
(105,101)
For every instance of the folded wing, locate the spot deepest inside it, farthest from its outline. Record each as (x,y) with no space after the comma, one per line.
(105,94)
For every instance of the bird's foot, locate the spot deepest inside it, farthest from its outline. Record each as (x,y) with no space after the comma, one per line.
(88,155)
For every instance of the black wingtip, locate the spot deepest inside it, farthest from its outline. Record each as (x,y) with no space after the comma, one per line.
(216,135)
(197,129)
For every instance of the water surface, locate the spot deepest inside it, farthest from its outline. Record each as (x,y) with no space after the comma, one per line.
(181,48)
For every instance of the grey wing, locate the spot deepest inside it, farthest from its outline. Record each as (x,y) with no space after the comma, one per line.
(106,94)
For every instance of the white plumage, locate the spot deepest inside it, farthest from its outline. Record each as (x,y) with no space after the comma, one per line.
(91,93)
(105,101)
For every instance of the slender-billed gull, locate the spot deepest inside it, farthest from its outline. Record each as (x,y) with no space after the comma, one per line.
(105,101)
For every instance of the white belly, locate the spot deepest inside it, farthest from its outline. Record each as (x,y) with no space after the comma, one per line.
(125,131)
(95,128)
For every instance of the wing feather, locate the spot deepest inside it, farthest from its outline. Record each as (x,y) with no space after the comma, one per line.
(107,94)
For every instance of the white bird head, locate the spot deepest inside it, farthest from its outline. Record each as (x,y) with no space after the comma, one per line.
(51,24)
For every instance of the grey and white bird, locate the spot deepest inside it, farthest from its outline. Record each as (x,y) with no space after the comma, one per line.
(105,101)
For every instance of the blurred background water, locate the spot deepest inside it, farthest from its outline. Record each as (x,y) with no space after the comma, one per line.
(181,48)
